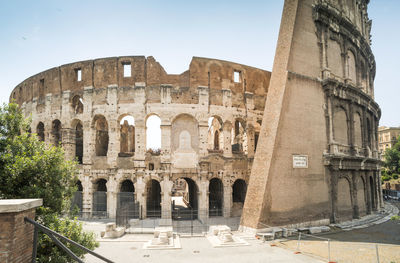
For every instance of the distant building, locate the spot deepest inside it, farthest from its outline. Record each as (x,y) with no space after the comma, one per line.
(387,137)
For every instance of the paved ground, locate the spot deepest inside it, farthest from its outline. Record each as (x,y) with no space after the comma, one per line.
(196,249)
(356,245)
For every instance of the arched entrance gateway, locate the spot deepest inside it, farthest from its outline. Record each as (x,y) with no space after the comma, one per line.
(184,199)
(100,198)
(153,200)
(216,197)
(127,208)
(239,190)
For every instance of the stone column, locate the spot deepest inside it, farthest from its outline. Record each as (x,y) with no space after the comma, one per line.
(166,188)
(113,125)
(165,141)
(87,196)
(203,184)
(227,198)
(111,197)
(203,135)
(16,235)
(88,146)
(227,130)
(140,188)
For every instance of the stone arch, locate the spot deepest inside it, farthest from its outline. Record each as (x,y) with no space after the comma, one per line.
(185,198)
(363,76)
(239,136)
(335,63)
(215,133)
(127,136)
(56,132)
(360,185)
(78,134)
(99,206)
(351,66)
(126,198)
(340,127)
(358,129)
(102,138)
(257,130)
(216,197)
(373,196)
(344,203)
(369,133)
(153,198)
(239,189)
(185,141)
(77,199)
(153,132)
(77,104)
(40,131)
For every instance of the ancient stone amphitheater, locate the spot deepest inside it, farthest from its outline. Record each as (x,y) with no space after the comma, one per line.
(155,144)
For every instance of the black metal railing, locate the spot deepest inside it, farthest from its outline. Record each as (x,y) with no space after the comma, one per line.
(53,236)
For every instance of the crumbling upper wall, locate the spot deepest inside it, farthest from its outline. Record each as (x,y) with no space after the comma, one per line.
(100,73)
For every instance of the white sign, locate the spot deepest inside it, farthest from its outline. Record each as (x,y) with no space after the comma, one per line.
(300,161)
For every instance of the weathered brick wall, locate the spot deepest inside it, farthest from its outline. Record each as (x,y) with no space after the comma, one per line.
(16,237)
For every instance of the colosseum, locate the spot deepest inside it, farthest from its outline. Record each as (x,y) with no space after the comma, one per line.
(298,144)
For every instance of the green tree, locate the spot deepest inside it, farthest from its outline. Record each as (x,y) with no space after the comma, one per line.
(392,159)
(31,169)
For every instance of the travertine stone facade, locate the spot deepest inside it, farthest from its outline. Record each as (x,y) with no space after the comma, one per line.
(317,157)
(210,118)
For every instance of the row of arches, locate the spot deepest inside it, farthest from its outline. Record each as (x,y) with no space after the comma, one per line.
(128,136)
(348,129)
(189,196)
(356,198)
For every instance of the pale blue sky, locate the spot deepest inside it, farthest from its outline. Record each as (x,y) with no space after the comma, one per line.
(37,35)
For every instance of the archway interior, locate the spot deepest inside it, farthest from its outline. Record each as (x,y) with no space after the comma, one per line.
(100,198)
(127,136)
(184,199)
(371,184)
(79,142)
(126,197)
(77,200)
(153,201)
(239,190)
(216,197)
(56,132)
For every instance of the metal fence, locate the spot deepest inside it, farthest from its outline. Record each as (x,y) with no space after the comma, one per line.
(187,222)
(99,205)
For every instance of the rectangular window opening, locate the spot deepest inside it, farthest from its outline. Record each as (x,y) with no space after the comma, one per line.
(127,70)
(78,74)
(236,76)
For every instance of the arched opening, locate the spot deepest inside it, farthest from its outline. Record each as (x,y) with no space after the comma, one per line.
(77,200)
(184,199)
(126,206)
(100,198)
(257,129)
(215,134)
(127,136)
(40,131)
(153,200)
(373,194)
(345,209)
(239,137)
(239,190)
(351,66)
(361,197)
(153,134)
(79,142)
(216,197)
(77,104)
(56,132)
(101,144)
(216,140)
(340,126)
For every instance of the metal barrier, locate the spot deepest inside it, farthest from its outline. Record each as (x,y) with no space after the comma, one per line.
(54,235)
